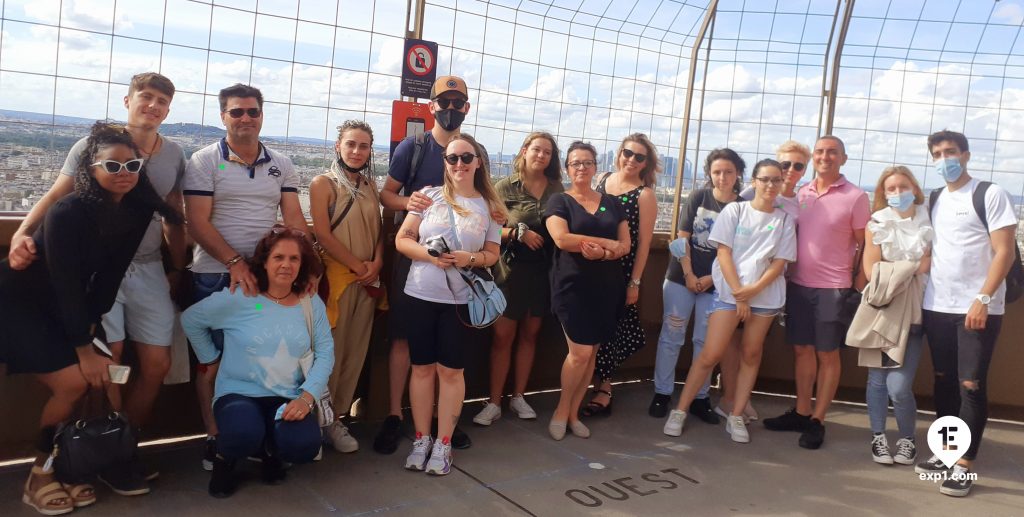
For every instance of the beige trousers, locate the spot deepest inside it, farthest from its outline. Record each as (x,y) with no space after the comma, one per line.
(351,340)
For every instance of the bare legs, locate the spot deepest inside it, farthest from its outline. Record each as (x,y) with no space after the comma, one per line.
(751,345)
(577,370)
(398,370)
(154,362)
(501,353)
(449,405)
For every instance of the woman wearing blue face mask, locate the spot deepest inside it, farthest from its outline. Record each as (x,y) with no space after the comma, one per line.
(887,327)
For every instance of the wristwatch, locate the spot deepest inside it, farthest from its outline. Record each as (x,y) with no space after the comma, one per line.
(983,298)
(633,282)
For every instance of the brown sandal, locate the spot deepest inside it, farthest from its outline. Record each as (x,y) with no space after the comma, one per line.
(45,498)
(83,494)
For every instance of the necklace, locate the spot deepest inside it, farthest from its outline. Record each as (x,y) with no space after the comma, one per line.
(152,148)
(276,299)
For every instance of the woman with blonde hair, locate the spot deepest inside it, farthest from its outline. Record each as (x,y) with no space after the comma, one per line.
(899,231)
(345,208)
(456,229)
(522,272)
(632,183)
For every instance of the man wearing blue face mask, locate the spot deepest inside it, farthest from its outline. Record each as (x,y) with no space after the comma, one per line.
(964,299)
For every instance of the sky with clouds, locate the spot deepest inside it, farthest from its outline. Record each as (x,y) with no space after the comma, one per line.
(592,69)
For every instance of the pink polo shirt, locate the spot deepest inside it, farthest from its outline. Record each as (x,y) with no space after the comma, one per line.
(825,242)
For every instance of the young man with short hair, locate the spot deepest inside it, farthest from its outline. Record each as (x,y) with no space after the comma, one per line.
(964,300)
(143,311)
(233,189)
(830,233)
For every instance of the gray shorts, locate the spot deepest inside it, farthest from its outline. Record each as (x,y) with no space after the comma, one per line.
(143,310)
(814,317)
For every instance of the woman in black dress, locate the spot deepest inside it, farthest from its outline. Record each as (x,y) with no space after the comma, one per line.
(52,308)
(590,233)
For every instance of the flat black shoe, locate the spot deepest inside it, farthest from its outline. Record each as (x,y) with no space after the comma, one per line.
(273,472)
(788,421)
(222,479)
(387,438)
(701,408)
(813,436)
(460,440)
(596,408)
(659,405)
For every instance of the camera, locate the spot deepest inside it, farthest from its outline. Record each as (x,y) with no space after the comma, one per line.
(436,246)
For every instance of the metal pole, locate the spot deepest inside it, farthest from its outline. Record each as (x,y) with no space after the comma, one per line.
(708,16)
(414,14)
(829,93)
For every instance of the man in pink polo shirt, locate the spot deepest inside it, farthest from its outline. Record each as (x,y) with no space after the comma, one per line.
(830,230)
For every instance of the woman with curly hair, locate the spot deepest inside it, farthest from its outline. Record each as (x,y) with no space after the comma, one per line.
(51,309)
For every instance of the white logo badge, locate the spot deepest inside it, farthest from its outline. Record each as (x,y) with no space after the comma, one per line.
(949,438)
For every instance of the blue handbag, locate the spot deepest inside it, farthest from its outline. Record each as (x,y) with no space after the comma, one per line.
(486,301)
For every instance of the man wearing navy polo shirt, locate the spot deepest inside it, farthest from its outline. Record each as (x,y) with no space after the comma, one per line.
(233,189)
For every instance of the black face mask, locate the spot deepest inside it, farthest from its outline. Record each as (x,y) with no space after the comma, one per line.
(344,166)
(449,119)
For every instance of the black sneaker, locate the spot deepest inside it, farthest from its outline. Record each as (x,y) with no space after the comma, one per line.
(933,465)
(880,449)
(659,405)
(959,482)
(701,408)
(813,435)
(222,479)
(387,438)
(209,452)
(124,479)
(788,421)
(460,440)
(272,470)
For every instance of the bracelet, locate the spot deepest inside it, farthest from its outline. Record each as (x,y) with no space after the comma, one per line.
(232,261)
(521,228)
(472,258)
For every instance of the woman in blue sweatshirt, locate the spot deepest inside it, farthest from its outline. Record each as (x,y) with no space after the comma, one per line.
(263,402)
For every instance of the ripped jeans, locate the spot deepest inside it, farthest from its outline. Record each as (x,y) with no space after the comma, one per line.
(959,356)
(680,303)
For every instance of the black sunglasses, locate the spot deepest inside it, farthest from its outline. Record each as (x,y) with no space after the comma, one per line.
(797,166)
(238,112)
(443,103)
(114,166)
(636,156)
(452,159)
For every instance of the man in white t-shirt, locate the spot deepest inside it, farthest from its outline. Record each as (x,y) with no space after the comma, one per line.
(233,190)
(143,311)
(964,300)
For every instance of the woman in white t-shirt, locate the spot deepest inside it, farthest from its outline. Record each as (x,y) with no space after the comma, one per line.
(899,229)
(437,336)
(755,240)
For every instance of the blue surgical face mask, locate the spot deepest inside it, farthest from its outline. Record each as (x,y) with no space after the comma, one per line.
(949,169)
(902,201)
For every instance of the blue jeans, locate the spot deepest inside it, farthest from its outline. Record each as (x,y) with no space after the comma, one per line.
(896,384)
(205,284)
(680,303)
(247,428)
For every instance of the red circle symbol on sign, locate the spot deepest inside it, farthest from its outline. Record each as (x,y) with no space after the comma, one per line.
(420,60)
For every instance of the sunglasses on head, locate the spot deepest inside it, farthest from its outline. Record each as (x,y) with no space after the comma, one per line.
(797,166)
(443,103)
(278,229)
(238,112)
(636,156)
(452,159)
(114,166)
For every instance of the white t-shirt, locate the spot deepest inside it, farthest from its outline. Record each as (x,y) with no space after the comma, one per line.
(427,281)
(756,238)
(962,252)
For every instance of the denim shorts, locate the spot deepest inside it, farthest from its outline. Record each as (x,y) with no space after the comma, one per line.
(719,305)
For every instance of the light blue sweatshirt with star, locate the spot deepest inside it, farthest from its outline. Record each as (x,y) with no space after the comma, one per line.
(263,342)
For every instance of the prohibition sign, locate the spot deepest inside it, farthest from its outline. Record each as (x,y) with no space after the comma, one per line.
(420,60)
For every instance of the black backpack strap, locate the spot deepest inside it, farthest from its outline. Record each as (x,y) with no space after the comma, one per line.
(414,161)
(978,199)
(932,198)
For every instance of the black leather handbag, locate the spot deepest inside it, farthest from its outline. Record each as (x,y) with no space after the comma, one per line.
(86,446)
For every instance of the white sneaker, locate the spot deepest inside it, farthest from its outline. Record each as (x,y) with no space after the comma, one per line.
(725,414)
(417,459)
(906,452)
(674,424)
(339,438)
(521,408)
(440,463)
(737,429)
(488,414)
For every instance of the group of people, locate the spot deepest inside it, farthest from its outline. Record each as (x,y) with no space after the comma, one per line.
(281,316)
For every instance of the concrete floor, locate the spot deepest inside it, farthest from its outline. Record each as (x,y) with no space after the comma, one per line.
(628,467)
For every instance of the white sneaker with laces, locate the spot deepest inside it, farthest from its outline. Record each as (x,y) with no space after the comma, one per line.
(417,459)
(906,451)
(880,450)
(339,438)
(521,408)
(737,429)
(674,424)
(440,463)
(488,414)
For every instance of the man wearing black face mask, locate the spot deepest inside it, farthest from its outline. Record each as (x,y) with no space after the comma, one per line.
(449,104)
